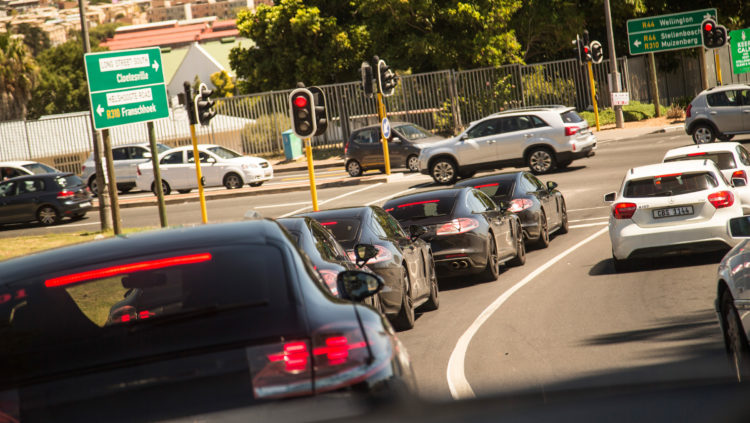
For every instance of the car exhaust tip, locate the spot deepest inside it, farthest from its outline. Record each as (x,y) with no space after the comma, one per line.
(464,264)
(456,264)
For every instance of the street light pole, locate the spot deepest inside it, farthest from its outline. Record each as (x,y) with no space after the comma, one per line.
(613,62)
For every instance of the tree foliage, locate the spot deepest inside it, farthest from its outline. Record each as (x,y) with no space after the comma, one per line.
(223,83)
(34,37)
(19,74)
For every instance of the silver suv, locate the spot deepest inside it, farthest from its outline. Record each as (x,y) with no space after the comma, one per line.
(719,112)
(543,138)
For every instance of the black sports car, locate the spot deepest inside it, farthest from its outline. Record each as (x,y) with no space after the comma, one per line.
(404,261)
(468,232)
(541,207)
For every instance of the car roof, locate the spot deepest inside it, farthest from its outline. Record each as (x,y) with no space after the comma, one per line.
(129,247)
(671,167)
(377,126)
(41,175)
(541,108)
(17,163)
(190,147)
(711,147)
(295,223)
(133,144)
(726,88)
(505,176)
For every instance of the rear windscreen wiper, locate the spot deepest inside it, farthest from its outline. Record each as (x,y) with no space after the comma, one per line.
(194,313)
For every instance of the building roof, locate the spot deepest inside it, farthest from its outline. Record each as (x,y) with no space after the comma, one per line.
(173,34)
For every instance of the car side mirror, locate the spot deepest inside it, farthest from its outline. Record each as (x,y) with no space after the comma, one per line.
(738,182)
(364,253)
(739,227)
(464,137)
(146,155)
(610,197)
(358,285)
(551,185)
(415,231)
(210,160)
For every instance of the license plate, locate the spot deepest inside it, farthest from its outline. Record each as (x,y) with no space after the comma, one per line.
(86,204)
(673,211)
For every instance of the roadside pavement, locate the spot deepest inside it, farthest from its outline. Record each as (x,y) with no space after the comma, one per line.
(609,133)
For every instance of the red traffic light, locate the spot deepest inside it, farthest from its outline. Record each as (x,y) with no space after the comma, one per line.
(300,101)
(708,26)
(586,49)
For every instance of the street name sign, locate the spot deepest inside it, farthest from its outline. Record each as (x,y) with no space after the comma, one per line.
(667,32)
(739,45)
(126,86)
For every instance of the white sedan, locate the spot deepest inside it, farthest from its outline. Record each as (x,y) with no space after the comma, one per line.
(671,208)
(731,157)
(219,166)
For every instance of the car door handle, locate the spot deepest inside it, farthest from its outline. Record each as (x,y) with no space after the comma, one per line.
(713,113)
(528,135)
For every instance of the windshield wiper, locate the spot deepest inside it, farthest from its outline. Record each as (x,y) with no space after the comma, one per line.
(194,313)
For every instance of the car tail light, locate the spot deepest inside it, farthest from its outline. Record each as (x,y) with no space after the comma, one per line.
(570,130)
(702,153)
(330,278)
(384,254)
(346,147)
(721,199)
(687,111)
(623,210)
(740,174)
(520,204)
(65,194)
(138,170)
(281,370)
(83,167)
(457,226)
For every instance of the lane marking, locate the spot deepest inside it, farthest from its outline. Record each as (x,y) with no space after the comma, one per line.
(389,196)
(457,382)
(592,218)
(589,208)
(331,199)
(587,225)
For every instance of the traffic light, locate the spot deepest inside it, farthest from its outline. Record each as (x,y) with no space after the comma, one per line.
(387,80)
(302,107)
(597,52)
(321,110)
(582,48)
(203,105)
(366,70)
(714,36)
(189,105)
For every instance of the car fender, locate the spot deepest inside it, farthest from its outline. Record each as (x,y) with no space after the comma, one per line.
(539,143)
(232,169)
(442,152)
(701,119)
(549,142)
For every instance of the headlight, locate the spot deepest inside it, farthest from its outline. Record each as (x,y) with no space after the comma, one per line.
(250,166)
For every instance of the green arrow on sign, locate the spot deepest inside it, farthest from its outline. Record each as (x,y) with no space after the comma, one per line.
(739,45)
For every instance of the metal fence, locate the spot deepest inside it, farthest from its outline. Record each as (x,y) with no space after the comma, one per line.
(443,101)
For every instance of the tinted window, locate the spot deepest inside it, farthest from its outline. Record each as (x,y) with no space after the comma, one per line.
(536,183)
(517,123)
(344,230)
(68,181)
(486,201)
(30,186)
(39,168)
(485,128)
(413,132)
(224,153)
(538,122)
(8,189)
(203,156)
(502,189)
(743,154)
(173,158)
(727,98)
(475,204)
(571,117)
(722,160)
(366,136)
(527,185)
(120,153)
(160,148)
(9,172)
(388,224)
(324,247)
(136,152)
(670,185)
(439,205)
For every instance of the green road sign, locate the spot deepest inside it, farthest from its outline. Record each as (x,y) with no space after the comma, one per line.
(126,87)
(739,45)
(667,32)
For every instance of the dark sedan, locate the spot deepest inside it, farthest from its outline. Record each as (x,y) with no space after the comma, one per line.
(540,206)
(364,150)
(404,261)
(468,232)
(45,198)
(180,322)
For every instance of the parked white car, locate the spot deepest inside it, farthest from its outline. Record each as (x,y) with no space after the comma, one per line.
(671,208)
(22,168)
(732,159)
(219,166)
(125,158)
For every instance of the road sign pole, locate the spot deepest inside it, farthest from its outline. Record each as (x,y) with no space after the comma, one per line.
(199,176)
(654,85)
(381,116)
(157,174)
(593,95)
(311,173)
(717,62)
(613,62)
(116,224)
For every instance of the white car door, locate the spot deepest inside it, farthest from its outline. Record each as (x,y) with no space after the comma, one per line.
(175,170)
(212,172)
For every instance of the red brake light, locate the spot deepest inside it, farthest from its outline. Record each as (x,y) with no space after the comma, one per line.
(65,194)
(687,111)
(416,203)
(295,356)
(457,226)
(328,223)
(570,130)
(721,199)
(520,204)
(486,185)
(346,147)
(740,174)
(127,268)
(623,210)
(702,153)
(330,278)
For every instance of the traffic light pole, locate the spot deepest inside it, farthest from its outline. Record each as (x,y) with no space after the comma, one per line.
(311,173)
(157,174)
(381,116)
(717,62)
(197,161)
(593,95)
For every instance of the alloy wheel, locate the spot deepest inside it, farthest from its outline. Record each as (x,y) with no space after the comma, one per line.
(443,172)
(540,161)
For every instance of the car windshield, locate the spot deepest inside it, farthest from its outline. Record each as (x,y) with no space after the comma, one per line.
(344,230)
(39,168)
(671,184)
(160,148)
(224,153)
(441,204)
(413,132)
(724,160)
(68,181)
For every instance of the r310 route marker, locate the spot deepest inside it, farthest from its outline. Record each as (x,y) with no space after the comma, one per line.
(667,32)
(126,87)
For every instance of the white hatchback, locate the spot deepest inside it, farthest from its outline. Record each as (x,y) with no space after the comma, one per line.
(671,208)
(732,159)
(219,166)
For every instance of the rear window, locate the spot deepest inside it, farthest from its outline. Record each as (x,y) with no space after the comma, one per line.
(571,117)
(344,230)
(406,209)
(68,181)
(39,168)
(672,184)
(723,160)
(499,189)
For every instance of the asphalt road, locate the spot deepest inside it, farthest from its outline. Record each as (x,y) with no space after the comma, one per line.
(565,319)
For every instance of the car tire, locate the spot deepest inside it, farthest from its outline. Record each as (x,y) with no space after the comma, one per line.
(541,160)
(433,302)
(232,181)
(404,320)
(166,189)
(564,225)
(543,240)
(47,215)
(256,184)
(354,168)
(704,134)
(491,272)
(520,258)
(184,191)
(738,350)
(444,171)
(93,186)
(412,163)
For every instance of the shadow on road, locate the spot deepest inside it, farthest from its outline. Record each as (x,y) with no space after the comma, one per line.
(606,266)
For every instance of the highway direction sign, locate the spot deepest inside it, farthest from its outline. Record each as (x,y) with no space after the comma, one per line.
(740,47)
(667,32)
(126,86)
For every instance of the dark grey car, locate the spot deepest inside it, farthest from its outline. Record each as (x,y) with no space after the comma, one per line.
(364,151)
(45,198)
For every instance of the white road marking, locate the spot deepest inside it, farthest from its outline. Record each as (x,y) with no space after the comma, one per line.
(589,208)
(586,225)
(457,382)
(389,196)
(331,199)
(72,226)
(283,205)
(592,218)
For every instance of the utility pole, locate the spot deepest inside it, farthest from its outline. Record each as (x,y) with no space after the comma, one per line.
(613,62)
(99,169)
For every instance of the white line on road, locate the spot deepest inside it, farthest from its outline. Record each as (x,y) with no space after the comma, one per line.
(331,199)
(389,196)
(591,218)
(589,208)
(457,382)
(586,225)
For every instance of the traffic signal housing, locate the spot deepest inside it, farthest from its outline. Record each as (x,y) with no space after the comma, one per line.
(582,48)
(204,105)
(366,71)
(320,111)
(387,80)
(714,35)
(302,107)
(597,52)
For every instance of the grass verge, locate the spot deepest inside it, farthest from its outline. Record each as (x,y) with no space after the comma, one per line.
(633,112)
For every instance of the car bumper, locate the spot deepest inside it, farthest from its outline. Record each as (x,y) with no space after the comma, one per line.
(580,153)
(258,175)
(632,241)
(70,208)
(459,254)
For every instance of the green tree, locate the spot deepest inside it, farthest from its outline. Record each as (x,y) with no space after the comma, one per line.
(101,32)
(223,83)
(34,37)
(19,73)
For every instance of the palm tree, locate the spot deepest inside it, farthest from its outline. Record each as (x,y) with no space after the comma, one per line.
(19,74)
